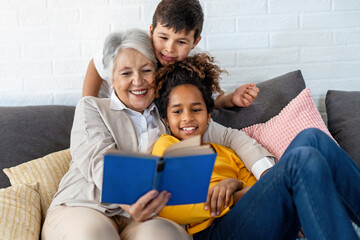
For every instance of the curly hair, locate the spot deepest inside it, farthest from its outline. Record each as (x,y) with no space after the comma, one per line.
(198,70)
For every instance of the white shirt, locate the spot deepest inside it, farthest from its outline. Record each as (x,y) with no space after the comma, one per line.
(146,127)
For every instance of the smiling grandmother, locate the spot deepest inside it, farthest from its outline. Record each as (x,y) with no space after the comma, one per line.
(128,121)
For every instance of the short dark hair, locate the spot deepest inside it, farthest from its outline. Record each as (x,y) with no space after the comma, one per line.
(180,14)
(198,70)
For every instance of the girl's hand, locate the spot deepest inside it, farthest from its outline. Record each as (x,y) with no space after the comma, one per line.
(239,194)
(147,206)
(221,194)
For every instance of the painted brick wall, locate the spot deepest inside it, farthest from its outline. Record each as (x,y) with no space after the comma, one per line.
(45,45)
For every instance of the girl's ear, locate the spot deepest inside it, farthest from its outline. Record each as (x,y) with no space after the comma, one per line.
(166,121)
(209,118)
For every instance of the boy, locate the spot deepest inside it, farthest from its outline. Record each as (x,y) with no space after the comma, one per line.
(175,30)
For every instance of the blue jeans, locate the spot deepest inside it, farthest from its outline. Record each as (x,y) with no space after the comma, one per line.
(315,185)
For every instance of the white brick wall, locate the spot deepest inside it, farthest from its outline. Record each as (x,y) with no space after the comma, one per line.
(45,45)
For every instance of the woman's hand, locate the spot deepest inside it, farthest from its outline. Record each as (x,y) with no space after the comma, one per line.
(147,206)
(221,194)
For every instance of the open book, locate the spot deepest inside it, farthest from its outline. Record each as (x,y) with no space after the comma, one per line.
(184,171)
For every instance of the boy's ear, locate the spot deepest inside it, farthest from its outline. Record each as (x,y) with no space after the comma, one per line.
(196,42)
(151,30)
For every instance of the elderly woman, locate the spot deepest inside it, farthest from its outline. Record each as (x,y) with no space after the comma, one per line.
(129,121)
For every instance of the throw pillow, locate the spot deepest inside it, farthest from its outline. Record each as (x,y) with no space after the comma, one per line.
(274,95)
(47,171)
(277,133)
(343,111)
(20,213)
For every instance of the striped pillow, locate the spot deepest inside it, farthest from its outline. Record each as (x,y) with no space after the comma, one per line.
(47,171)
(20,214)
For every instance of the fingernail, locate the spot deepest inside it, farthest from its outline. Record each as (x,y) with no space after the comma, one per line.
(218,213)
(213,214)
(206,208)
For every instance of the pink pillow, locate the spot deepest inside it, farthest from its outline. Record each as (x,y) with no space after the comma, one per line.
(277,133)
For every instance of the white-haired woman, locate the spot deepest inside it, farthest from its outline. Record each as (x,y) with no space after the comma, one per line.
(129,121)
(99,125)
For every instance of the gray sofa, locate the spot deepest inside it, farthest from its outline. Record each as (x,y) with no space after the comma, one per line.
(31,132)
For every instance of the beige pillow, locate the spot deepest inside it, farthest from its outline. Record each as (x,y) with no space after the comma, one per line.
(47,171)
(20,213)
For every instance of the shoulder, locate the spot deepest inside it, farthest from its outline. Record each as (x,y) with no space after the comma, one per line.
(163,143)
(93,101)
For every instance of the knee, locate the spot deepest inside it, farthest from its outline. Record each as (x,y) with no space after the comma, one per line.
(311,137)
(307,160)
(158,228)
(311,132)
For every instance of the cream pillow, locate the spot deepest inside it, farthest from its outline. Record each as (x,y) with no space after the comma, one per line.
(20,213)
(47,171)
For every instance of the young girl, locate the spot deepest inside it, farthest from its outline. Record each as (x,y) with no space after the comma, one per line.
(314,184)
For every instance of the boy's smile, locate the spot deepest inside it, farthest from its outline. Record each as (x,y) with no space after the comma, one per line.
(171,46)
(187,115)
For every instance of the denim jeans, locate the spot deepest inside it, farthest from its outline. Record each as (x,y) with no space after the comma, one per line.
(315,185)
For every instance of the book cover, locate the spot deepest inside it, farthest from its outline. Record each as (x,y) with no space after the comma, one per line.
(184,171)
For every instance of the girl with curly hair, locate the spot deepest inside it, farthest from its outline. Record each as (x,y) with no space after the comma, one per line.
(313,185)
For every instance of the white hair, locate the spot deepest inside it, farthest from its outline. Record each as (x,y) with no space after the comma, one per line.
(136,39)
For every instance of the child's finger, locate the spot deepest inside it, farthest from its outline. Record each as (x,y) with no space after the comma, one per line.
(227,199)
(220,200)
(213,204)
(208,198)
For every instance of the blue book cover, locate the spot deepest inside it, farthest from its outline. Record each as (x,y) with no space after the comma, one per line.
(127,177)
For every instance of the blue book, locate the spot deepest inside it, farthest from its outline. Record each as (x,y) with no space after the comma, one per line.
(184,171)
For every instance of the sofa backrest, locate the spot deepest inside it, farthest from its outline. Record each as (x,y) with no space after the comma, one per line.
(31,132)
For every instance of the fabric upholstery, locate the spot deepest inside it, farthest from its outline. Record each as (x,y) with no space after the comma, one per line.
(277,133)
(31,132)
(46,171)
(274,95)
(20,215)
(343,111)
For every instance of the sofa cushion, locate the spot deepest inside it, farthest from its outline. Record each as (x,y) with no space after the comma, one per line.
(20,216)
(46,171)
(31,132)
(274,95)
(343,111)
(277,133)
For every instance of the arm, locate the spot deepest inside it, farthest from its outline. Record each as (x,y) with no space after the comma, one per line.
(92,81)
(243,96)
(246,148)
(90,139)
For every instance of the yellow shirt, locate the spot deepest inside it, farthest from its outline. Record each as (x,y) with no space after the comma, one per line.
(227,165)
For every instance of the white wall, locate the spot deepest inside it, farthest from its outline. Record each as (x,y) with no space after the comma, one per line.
(45,45)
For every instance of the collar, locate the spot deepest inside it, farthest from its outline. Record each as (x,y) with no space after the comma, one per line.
(117,105)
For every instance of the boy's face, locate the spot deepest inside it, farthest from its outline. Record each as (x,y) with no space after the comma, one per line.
(187,115)
(170,46)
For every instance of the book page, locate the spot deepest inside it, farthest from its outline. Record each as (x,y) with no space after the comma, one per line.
(190,146)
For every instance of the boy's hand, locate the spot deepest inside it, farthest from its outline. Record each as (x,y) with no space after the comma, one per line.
(244,95)
(221,194)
